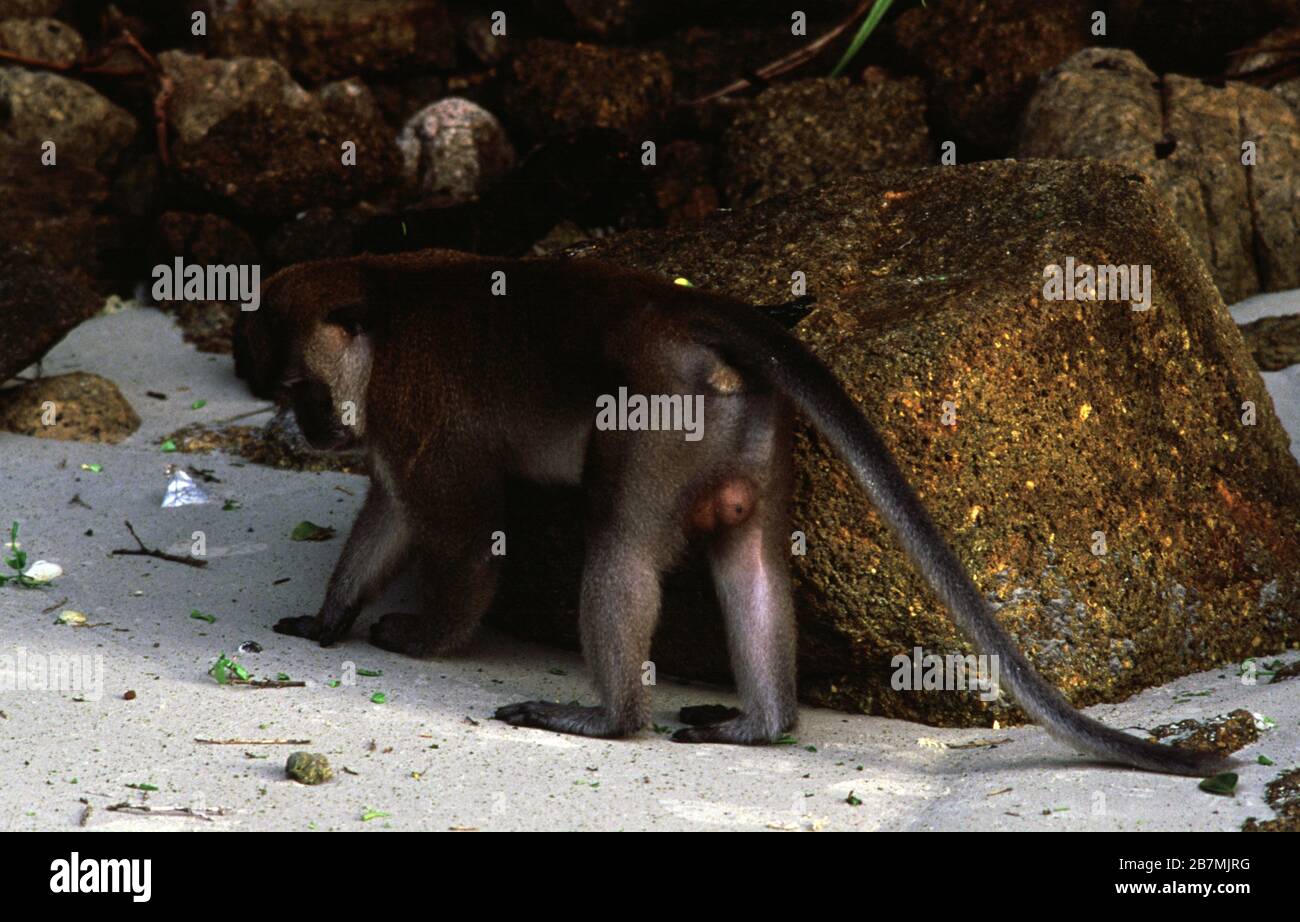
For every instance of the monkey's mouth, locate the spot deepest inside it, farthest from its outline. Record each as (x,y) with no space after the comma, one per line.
(314,414)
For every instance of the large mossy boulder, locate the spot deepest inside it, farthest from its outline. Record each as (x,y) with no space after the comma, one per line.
(1072,418)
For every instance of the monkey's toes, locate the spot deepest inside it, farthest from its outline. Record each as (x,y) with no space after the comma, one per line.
(698,715)
(739,730)
(562,718)
(305,626)
(403,632)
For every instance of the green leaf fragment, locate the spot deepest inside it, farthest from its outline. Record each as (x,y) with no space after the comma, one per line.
(1223,784)
(310,531)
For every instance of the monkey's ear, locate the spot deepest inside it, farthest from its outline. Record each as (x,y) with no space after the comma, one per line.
(355,319)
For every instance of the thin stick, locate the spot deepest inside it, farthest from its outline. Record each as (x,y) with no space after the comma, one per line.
(154,552)
(231,419)
(790,61)
(46,611)
(205,815)
(239,742)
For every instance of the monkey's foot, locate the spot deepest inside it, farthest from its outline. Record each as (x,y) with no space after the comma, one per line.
(741,729)
(416,634)
(562,718)
(698,715)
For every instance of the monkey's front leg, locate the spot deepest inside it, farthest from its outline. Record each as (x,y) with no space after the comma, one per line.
(376,549)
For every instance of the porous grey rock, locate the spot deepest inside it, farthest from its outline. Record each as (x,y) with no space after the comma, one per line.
(87,408)
(452,150)
(59,209)
(244,132)
(1244,221)
(41,40)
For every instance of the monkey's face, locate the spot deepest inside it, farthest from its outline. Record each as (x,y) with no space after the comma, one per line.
(327,381)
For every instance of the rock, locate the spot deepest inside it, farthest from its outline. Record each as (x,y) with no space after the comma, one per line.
(1192,36)
(28,9)
(1283,795)
(40,301)
(982,59)
(452,151)
(683,183)
(1224,734)
(88,130)
(87,408)
(1273,59)
(604,19)
(206,239)
(1243,221)
(41,40)
(317,233)
(326,39)
(561,90)
(246,134)
(309,768)
(1072,418)
(1274,341)
(795,135)
(57,209)
(476,33)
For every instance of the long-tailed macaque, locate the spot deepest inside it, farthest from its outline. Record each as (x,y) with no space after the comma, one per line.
(455,373)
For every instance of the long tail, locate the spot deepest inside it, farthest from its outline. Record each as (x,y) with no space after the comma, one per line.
(755,343)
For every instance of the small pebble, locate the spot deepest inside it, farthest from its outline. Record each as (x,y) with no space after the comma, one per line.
(308,768)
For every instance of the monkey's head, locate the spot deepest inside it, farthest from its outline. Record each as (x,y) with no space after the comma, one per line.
(308,345)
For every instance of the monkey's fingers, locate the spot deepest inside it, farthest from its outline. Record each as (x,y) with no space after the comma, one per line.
(305,626)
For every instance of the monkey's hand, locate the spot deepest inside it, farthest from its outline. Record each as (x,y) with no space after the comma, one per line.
(308,626)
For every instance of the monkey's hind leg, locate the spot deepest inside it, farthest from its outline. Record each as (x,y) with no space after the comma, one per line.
(631,539)
(458,573)
(750,560)
(375,550)
(458,596)
(751,577)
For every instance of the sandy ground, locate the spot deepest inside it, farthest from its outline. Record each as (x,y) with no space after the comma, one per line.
(431,757)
